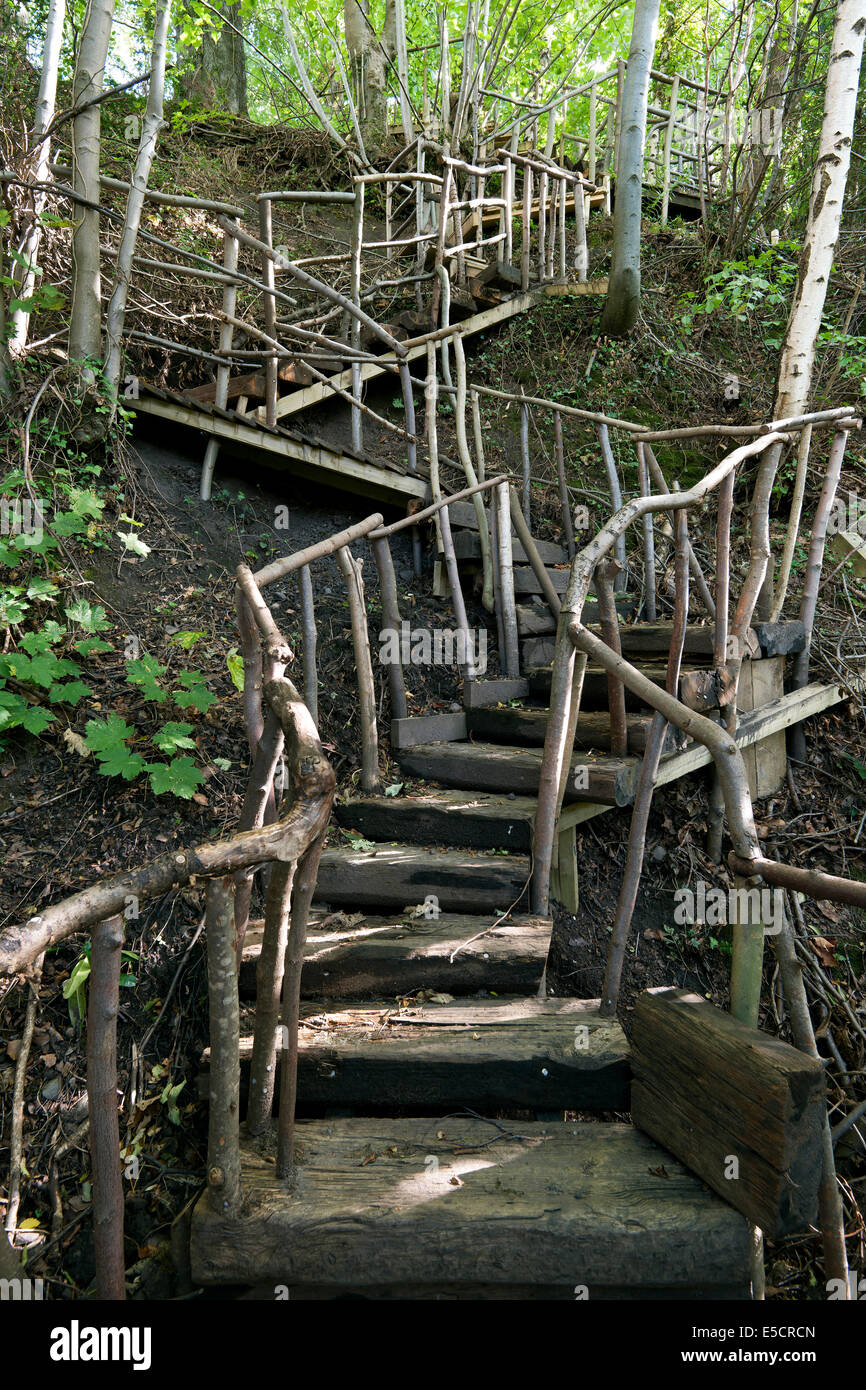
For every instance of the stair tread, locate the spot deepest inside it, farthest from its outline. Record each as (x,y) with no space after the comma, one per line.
(504,767)
(381,956)
(481,1052)
(529,726)
(432,1200)
(446,816)
(399,875)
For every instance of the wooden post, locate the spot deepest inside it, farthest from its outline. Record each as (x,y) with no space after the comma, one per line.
(669,135)
(302,897)
(269,305)
(564,501)
(543,187)
(351,570)
(605,573)
(355,338)
(615,497)
(527,228)
(105,958)
(593,120)
(508,193)
(269,986)
(511,656)
(649,557)
(223,1152)
(581,249)
(230,296)
(389,199)
(477,434)
(391,619)
(524,454)
(497,576)
(308,622)
(716,813)
(563,195)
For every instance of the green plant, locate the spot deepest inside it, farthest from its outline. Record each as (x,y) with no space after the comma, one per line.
(74,987)
(762,282)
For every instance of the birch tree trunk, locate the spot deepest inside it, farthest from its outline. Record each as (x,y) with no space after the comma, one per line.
(819,246)
(151,127)
(44,116)
(623,295)
(85,325)
(825,210)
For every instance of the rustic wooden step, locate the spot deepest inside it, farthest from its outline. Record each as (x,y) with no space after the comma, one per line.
(467,546)
(753,1129)
(380,957)
(636,639)
(554,1054)
(587,1207)
(529,726)
(397,876)
(496,767)
(594,694)
(526,581)
(480,694)
(444,817)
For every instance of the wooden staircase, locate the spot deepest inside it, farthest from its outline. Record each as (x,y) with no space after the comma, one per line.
(460,1135)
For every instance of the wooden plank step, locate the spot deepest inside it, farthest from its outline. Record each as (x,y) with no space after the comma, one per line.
(495,767)
(480,694)
(554,1054)
(636,639)
(444,817)
(525,581)
(379,957)
(397,876)
(760,1103)
(529,726)
(467,546)
(433,1201)
(594,694)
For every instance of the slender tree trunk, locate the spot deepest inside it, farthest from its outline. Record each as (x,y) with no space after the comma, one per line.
(85,325)
(219,80)
(153,123)
(44,116)
(371,56)
(623,296)
(822,231)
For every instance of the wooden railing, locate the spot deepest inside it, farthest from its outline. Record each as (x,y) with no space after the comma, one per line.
(575,644)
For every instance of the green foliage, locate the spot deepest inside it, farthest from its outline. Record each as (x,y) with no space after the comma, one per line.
(74,987)
(754,292)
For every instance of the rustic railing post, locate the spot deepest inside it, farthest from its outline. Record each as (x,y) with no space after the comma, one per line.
(302,897)
(605,574)
(104,1003)
(564,500)
(230,295)
(669,136)
(269,305)
(391,620)
(649,561)
(351,571)
(355,331)
(511,655)
(526,230)
(308,623)
(223,1149)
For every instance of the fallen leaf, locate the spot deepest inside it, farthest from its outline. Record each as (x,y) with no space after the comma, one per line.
(825,950)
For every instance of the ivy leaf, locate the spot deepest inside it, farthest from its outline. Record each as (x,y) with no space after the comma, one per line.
(180,776)
(173,736)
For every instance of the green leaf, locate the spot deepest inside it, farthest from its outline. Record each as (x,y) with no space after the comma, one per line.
(70,693)
(45,669)
(173,736)
(91,645)
(196,696)
(87,615)
(104,735)
(187,640)
(394,789)
(143,673)
(235,663)
(120,762)
(180,776)
(357,841)
(37,719)
(41,588)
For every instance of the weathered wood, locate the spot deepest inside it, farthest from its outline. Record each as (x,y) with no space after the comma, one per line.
(427,728)
(445,817)
(751,1126)
(368,1201)
(557,1054)
(497,768)
(351,571)
(386,956)
(528,726)
(397,876)
(467,547)
(103,1007)
(636,639)
(780,639)
(480,694)
(761,682)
